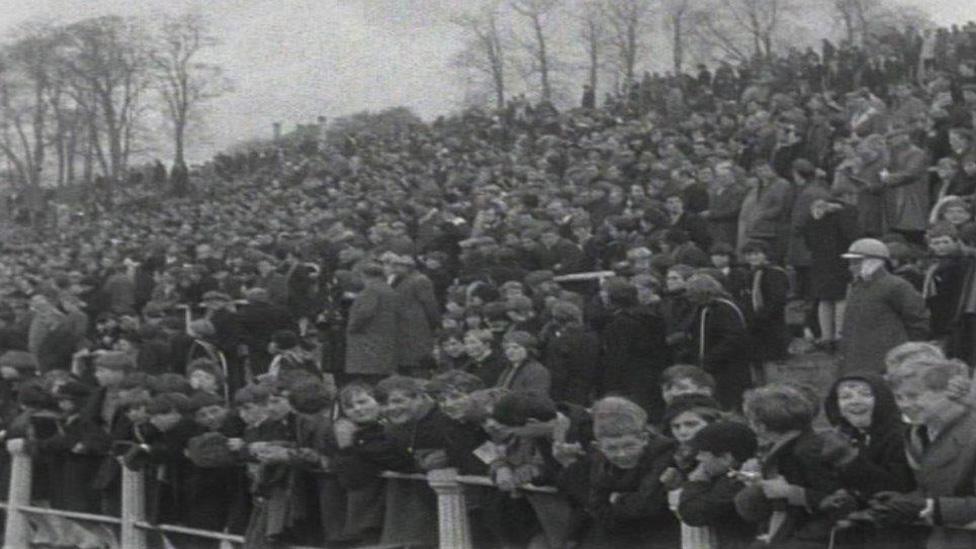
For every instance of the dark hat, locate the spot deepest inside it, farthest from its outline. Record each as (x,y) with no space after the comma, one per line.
(115,360)
(721,248)
(203,399)
(311,398)
(285,339)
(755,246)
(538,277)
(73,390)
(19,360)
(135,380)
(210,450)
(516,409)
(252,394)
(688,402)
(525,339)
(169,402)
(33,395)
(726,436)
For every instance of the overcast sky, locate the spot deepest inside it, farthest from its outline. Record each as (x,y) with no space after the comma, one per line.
(292,60)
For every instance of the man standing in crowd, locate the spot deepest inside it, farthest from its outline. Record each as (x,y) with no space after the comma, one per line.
(883,310)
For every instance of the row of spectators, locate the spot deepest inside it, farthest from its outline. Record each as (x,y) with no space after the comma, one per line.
(507,293)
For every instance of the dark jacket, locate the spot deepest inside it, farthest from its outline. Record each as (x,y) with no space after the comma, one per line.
(634,355)
(721,340)
(640,516)
(712,503)
(828,238)
(766,299)
(572,355)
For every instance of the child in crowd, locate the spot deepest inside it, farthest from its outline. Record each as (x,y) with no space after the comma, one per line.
(364,451)
(707,499)
(795,478)
(684,417)
(626,502)
(943,287)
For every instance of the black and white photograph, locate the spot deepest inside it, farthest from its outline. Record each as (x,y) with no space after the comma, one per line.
(487,274)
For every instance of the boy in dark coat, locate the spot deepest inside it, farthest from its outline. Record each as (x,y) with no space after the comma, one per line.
(708,496)
(626,500)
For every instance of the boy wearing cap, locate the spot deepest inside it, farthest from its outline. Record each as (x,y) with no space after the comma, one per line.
(883,310)
(708,495)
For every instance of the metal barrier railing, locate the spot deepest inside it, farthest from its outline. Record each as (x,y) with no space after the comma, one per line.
(452,518)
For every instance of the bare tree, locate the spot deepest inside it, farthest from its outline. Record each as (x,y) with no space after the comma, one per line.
(742,29)
(107,63)
(537,14)
(25,85)
(184,83)
(593,31)
(485,52)
(676,14)
(627,22)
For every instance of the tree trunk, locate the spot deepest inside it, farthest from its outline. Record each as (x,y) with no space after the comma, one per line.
(543,59)
(178,143)
(678,45)
(594,64)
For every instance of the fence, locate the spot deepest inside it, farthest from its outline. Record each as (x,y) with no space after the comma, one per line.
(452,517)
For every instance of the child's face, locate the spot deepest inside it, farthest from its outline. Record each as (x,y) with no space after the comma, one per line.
(211,417)
(515,353)
(957,215)
(9,372)
(473,346)
(201,380)
(720,261)
(943,245)
(401,407)
(685,425)
(683,386)
(756,259)
(361,408)
(715,465)
(452,347)
(137,415)
(67,406)
(455,404)
(253,413)
(623,451)
(855,399)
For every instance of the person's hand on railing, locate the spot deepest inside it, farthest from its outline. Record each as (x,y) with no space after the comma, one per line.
(235,444)
(434,459)
(16,446)
(567,454)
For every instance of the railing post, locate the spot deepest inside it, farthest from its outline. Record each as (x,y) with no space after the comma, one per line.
(133,509)
(452,512)
(17,534)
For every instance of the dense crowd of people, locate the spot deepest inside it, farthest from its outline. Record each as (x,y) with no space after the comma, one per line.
(581,299)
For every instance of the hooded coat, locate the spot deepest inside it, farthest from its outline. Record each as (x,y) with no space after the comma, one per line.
(881,463)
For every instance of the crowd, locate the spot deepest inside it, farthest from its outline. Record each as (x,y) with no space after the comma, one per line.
(581,299)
